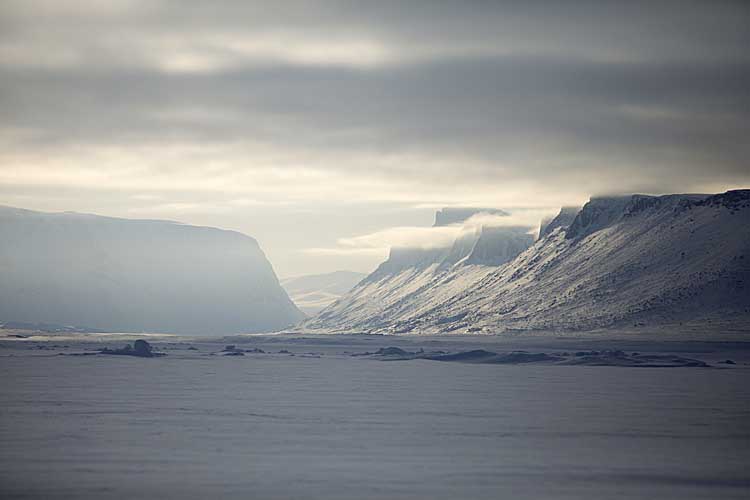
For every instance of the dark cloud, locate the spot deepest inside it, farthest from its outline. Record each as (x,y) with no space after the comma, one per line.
(528,97)
(491,109)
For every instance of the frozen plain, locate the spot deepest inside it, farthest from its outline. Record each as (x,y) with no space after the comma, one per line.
(324,424)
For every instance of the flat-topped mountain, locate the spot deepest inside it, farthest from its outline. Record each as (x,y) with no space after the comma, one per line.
(136,275)
(618,262)
(457,215)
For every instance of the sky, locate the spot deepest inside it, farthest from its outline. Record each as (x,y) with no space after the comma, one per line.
(330,130)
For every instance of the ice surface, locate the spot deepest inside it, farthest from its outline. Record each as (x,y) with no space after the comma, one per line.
(323,424)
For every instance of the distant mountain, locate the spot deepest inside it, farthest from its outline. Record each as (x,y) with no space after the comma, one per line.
(625,261)
(397,285)
(476,245)
(136,275)
(456,215)
(312,293)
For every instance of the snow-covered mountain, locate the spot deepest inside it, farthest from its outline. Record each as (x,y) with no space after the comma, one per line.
(313,293)
(457,215)
(563,219)
(136,275)
(619,261)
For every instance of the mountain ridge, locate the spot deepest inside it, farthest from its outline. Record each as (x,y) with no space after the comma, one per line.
(622,261)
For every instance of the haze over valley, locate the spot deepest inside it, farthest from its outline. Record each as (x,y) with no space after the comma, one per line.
(622,262)
(119,275)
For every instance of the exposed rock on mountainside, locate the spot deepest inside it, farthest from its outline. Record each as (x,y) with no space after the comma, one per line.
(477,245)
(136,275)
(563,219)
(454,215)
(623,261)
(494,246)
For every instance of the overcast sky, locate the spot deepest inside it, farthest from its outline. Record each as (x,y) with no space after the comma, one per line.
(319,127)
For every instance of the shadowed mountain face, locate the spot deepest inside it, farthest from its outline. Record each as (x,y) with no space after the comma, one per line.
(483,245)
(136,275)
(563,219)
(618,262)
(313,293)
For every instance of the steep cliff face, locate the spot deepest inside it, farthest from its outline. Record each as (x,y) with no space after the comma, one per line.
(476,245)
(402,283)
(563,219)
(136,275)
(623,261)
(457,215)
(497,245)
(603,212)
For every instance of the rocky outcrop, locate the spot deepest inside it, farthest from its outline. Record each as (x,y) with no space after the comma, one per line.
(563,219)
(139,349)
(497,245)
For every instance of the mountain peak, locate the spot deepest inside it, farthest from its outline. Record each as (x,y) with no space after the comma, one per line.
(456,215)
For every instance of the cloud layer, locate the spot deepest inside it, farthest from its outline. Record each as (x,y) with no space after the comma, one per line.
(310,104)
(379,243)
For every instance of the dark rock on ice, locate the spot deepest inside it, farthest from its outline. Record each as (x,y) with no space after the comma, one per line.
(467,356)
(525,357)
(234,349)
(488,357)
(392,351)
(587,353)
(618,358)
(140,348)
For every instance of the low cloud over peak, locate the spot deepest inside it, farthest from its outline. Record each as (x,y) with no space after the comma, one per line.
(379,243)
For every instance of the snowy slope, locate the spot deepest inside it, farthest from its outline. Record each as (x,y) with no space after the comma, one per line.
(623,261)
(313,293)
(136,275)
(563,219)
(412,278)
